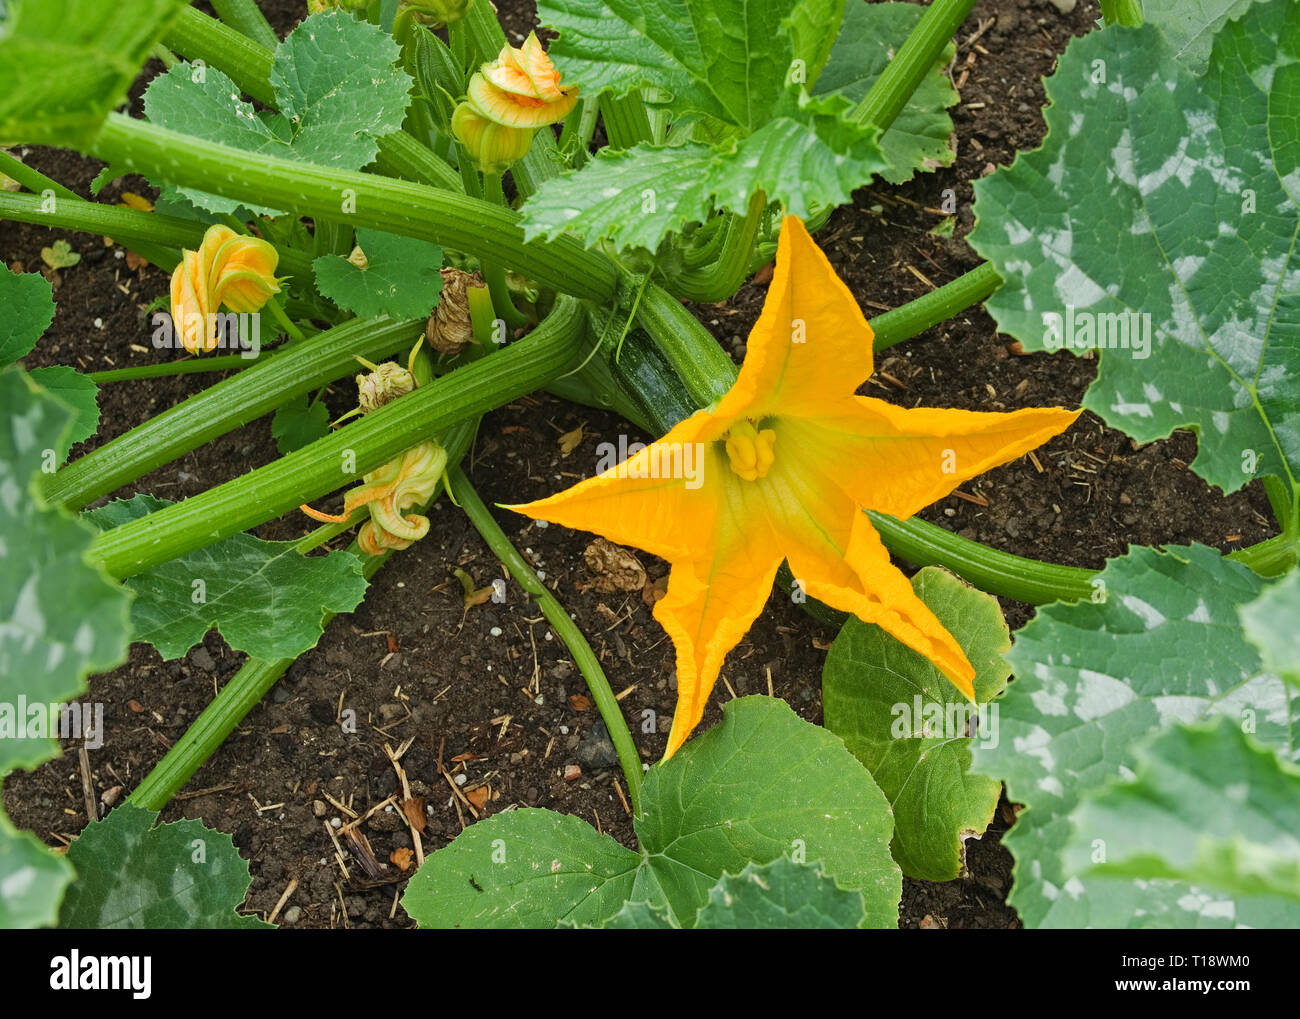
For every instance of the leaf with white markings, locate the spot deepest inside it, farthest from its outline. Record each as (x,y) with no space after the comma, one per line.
(1161,644)
(266,598)
(1270,624)
(760,785)
(133,874)
(336,87)
(46,652)
(1208,807)
(1159,222)
(1190,25)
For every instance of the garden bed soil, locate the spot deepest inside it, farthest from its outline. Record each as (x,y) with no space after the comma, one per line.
(490,691)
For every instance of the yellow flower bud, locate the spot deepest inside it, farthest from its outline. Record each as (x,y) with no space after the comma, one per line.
(492,146)
(230,269)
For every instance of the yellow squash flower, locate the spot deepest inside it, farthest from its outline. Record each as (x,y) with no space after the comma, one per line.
(782,468)
(521,88)
(229,268)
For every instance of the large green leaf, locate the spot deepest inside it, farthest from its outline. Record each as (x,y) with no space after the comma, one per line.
(76,391)
(64,64)
(1270,622)
(1160,194)
(781,895)
(745,68)
(336,87)
(921,137)
(131,874)
(634,198)
(45,651)
(400,278)
(28,302)
(266,598)
(1160,644)
(901,718)
(730,59)
(1190,25)
(1209,807)
(760,785)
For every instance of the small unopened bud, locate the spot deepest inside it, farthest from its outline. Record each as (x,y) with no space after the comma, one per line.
(450,326)
(493,147)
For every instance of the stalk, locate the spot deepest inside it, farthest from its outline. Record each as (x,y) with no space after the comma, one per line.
(321,467)
(903,75)
(492,272)
(567,630)
(143,232)
(196,366)
(937,306)
(726,275)
(626,122)
(245,61)
(1122,12)
(225,406)
(32,180)
(245,17)
(250,684)
(452,220)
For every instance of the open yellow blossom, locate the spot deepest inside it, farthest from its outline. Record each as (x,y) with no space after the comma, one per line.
(521,88)
(786,463)
(229,269)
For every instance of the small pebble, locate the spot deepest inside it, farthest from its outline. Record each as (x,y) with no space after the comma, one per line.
(292,915)
(564,730)
(542,523)
(336,822)
(495,631)
(462,778)
(318,808)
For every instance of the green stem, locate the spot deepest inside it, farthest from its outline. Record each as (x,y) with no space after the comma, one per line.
(493,273)
(452,220)
(159,371)
(254,680)
(1284,509)
(33,180)
(937,306)
(245,17)
(626,121)
(286,323)
(225,406)
(913,61)
(148,233)
(696,357)
(728,273)
(1122,12)
(400,155)
(245,61)
(322,466)
(564,626)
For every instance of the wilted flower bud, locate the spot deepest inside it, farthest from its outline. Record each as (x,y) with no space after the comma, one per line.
(230,269)
(408,481)
(493,147)
(521,88)
(382,384)
(358,258)
(450,326)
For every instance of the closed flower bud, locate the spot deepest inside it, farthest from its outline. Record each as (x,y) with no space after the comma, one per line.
(450,326)
(521,88)
(228,269)
(492,146)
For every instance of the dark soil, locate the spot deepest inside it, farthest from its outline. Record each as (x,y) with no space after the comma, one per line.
(489,690)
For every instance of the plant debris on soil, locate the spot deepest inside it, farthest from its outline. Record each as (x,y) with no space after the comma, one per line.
(493,709)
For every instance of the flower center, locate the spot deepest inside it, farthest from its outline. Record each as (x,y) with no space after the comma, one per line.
(750,451)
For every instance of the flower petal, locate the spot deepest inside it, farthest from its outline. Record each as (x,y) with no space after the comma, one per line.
(713,600)
(650,500)
(810,346)
(898,460)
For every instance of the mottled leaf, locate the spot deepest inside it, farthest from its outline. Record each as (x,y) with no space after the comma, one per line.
(131,874)
(1159,221)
